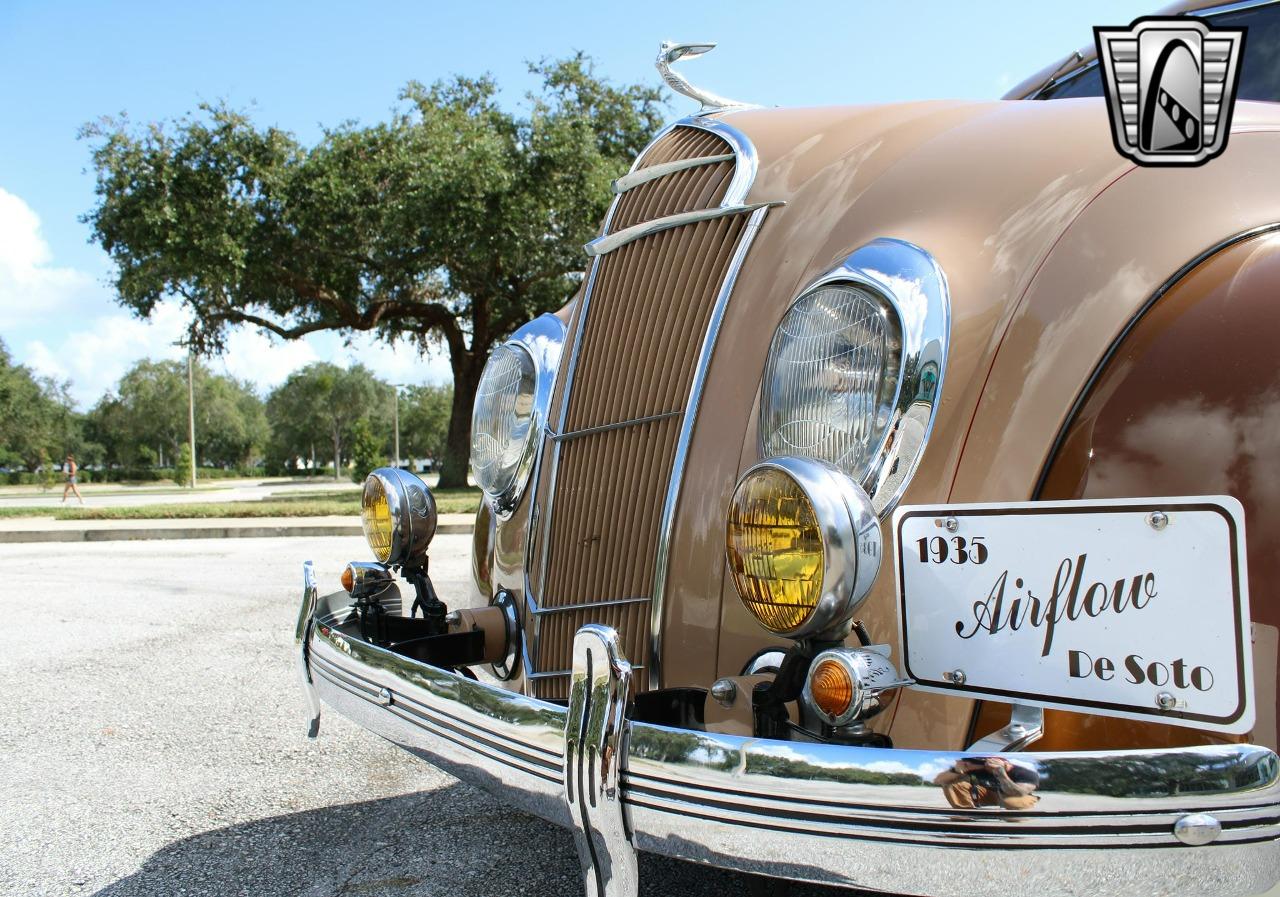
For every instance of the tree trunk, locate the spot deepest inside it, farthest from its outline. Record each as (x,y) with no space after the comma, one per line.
(457,448)
(337,453)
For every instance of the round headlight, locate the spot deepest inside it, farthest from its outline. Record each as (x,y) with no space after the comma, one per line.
(831,380)
(803,546)
(398,514)
(502,426)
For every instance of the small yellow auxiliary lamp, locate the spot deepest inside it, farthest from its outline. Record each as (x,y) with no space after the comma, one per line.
(398,513)
(803,545)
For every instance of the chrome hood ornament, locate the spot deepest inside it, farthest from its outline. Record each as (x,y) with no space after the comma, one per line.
(670,53)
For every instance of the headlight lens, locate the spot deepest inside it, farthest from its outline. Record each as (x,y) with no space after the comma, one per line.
(502,428)
(831,380)
(398,514)
(775,550)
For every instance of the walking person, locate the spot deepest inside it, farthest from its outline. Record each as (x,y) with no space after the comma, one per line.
(71,470)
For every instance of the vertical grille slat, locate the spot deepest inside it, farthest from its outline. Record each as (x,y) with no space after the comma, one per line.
(637,338)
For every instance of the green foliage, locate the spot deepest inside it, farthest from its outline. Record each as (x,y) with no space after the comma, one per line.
(424,421)
(366,451)
(48,472)
(316,409)
(38,422)
(453,222)
(145,422)
(182,466)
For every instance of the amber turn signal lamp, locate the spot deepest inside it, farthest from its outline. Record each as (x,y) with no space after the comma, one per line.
(348,578)
(831,687)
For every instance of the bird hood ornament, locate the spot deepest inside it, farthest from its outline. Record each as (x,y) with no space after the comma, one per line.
(670,53)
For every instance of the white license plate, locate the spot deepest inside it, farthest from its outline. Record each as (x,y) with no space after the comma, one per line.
(1136,608)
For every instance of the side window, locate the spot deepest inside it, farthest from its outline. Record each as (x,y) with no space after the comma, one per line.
(1260,71)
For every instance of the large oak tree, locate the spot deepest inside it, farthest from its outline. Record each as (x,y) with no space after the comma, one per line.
(453,222)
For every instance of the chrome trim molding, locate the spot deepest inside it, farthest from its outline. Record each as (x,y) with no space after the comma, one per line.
(666,523)
(671,52)
(1107,823)
(851,542)
(910,281)
(593,752)
(563,608)
(653,172)
(542,339)
(302,641)
(605,428)
(609,242)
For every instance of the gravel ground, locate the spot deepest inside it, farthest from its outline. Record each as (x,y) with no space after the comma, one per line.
(154,745)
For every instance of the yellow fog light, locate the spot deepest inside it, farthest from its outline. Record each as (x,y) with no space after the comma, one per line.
(775,550)
(803,546)
(398,514)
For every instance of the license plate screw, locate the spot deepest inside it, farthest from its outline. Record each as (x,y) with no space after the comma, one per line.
(1166,701)
(950,524)
(1158,520)
(955,676)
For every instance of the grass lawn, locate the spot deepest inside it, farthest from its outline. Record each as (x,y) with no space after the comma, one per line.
(315,504)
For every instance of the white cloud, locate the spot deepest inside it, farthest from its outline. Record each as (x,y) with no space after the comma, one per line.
(66,325)
(31,289)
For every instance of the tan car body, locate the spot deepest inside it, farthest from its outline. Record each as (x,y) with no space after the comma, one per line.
(1051,243)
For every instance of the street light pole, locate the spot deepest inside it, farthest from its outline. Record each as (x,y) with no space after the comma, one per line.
(191,418)
(396,414)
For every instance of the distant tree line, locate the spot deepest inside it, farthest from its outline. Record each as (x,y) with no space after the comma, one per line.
(323,420)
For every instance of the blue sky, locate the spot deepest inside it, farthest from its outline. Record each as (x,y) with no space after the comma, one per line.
(302,65)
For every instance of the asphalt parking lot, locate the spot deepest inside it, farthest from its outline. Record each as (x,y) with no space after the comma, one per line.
(153,744)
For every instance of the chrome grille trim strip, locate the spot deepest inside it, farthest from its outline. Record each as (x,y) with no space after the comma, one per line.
(604,428)
(667,520)
(609,242)
(653,172)
(560,609)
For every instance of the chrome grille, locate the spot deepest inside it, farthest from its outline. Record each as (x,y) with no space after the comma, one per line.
(609,473)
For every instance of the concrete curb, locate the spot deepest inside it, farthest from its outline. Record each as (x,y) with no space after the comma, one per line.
(199,532)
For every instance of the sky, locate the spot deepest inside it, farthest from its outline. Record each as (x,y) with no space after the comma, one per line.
(304,65)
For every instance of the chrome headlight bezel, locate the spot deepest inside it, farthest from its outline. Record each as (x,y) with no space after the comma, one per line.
(909,284)
(541,340)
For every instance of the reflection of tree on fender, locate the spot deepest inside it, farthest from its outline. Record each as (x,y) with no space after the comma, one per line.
(989,782)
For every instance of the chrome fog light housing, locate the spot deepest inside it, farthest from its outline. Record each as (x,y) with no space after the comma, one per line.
(855,368)
(398,515)
(803,547)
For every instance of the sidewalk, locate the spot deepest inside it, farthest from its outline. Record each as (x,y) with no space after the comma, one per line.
(46,529)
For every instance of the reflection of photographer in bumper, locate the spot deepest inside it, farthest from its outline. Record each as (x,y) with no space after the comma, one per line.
(989,782)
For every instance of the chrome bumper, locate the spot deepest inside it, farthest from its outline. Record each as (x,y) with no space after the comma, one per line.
(1112,823)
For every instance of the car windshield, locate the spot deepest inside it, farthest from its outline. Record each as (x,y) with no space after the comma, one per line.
(1259,71)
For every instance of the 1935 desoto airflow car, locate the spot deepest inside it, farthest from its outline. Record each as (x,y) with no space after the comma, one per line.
(875,514)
